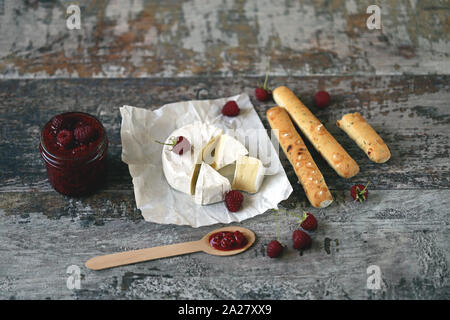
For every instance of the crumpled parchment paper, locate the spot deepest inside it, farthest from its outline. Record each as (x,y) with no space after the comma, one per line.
(155,198)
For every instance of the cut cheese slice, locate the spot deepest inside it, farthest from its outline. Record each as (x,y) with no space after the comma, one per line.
(227,151)
(206,151)
(181,171)
(211,186)
(228,171)
(210,149)
(249,174)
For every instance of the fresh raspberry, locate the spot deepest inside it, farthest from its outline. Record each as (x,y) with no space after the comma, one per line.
(230,109)
(233,200)
(309,222)
(322,99)
(301,239)
(274,249)
(179,144)
(64,138)
(84,134)
(182,145)
(262,94)
(359,192)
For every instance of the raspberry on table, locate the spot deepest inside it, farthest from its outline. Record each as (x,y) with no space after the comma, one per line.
(359,192)
(309,222)
(262,94)
(301,240)
(322,99)
(274,249)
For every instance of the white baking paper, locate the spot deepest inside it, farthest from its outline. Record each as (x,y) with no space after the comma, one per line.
(160,203)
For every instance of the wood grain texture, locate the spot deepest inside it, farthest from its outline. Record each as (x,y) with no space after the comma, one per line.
(151,38)
(403,227)
(349,239)
(410,113)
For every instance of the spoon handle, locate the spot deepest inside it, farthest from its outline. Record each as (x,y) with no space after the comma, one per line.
(134,256)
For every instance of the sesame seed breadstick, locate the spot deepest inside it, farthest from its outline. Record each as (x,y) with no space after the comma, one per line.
(304,166)
(317,134)
(357,128)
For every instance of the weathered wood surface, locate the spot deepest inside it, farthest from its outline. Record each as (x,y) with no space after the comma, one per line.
(410,113)
(403,228)
(152,38)
(404,232)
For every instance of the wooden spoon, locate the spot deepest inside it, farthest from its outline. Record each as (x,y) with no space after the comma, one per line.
(134,256)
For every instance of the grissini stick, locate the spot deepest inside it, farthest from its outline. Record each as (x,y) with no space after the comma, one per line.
(304,166)
(357,128)
(316,133)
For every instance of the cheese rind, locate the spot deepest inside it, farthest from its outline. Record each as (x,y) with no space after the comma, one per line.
(227,151)
(211,186)
(181,170)
(249,174)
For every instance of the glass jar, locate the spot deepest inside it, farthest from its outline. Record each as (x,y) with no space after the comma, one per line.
(76,158)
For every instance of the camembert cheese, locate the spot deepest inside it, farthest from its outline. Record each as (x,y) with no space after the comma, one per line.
(249,174)
(181,171)
(211,186)
(227,151)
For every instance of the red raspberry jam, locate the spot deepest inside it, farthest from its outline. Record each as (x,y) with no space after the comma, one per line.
(227,240)
(74,147)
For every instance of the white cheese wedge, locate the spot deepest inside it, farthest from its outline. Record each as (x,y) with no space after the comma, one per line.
(209,150)
(211,186)
(227,151)
(249,174)
(228,171)
(181,171)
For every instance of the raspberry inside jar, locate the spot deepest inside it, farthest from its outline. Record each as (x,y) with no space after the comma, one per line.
(227,240)
(74,146)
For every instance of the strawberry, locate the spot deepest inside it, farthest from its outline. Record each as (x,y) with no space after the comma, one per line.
(322,99)
(301,240)
(233,200)
(84,134)
(309,222)
(179,144)
(359,192)
(274,249)
(231,109)
(64,138)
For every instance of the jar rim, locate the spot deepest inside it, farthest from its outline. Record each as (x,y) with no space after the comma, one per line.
(100,147)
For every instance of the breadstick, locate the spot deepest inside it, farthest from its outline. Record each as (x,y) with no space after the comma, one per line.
(316,133)
(357,128)
(295,149)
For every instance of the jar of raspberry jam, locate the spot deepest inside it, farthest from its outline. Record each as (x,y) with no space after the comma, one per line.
(74,147)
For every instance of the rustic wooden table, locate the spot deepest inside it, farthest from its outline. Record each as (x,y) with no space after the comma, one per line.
(397,77)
